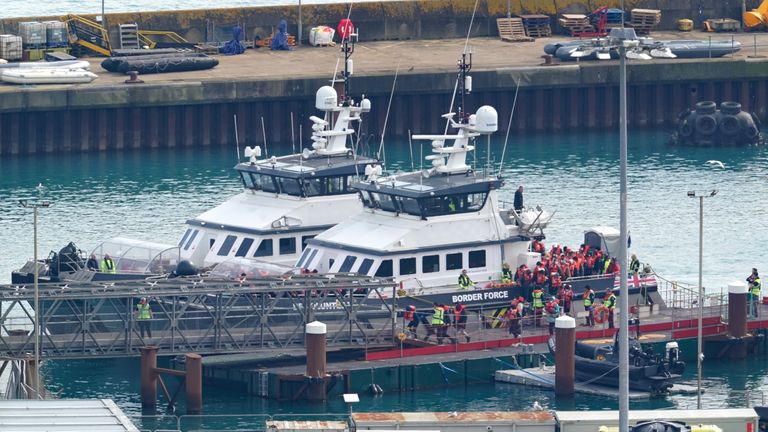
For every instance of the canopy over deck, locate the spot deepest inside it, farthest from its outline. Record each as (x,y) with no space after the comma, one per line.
(136,256)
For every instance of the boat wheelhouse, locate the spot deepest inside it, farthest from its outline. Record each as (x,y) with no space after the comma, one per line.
(286,200)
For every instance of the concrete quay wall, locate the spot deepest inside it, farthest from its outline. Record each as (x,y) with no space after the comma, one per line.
(390,20)
(200,113)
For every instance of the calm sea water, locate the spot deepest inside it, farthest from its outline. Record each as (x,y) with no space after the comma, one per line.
(24,8)
(149,195)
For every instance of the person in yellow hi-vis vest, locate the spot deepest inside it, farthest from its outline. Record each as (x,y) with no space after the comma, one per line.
(143,317)
(107,265)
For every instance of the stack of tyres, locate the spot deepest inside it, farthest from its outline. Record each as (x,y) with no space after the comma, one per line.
(706,126)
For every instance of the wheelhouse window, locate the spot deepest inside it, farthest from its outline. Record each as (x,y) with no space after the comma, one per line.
(191,239)
(407,266)
(477,258)
(265,182)
(316,186)
(226,245)
(303,258)
(244,247)
(365,266)
(454,261)
(247,180)
(287,246)
(184,237)
(450,204)
(430,263)
(305,240)
(385,269)
(346,266)
(264,249)
(289,186)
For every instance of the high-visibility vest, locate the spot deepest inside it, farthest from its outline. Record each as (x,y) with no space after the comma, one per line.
(437,317)
(606,265)
(107,266)
(537,303)
(755,290)
(145,312)
(589,298)
(464,281)
(610,303)
(506,275)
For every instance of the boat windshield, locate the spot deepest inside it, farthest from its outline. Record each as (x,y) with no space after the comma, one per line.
(249,268)
(425,206)
(302,187)
(135,256)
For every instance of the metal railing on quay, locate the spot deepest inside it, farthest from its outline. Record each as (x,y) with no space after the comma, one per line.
(223,422)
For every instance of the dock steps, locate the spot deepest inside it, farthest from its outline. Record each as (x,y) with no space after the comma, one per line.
(129,36)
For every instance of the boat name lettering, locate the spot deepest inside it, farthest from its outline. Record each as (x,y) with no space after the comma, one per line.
(480,296)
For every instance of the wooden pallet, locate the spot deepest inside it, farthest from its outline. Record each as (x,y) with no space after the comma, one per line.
(512,30)
(267,41)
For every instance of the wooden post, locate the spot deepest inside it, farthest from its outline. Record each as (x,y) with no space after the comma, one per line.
(737,309)
(148,377)
(316,362)
(194,383)
(565,351)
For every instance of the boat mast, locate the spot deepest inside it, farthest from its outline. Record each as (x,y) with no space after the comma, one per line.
(465,84)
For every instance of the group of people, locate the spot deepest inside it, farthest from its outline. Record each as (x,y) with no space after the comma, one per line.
(105,266)
(443,317)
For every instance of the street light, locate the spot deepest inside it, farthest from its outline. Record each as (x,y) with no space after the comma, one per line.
(36,331)
(700,338)
(351,399)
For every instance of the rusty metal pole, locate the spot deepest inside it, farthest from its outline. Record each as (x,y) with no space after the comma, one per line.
(148,377)
(194,383)
(316,362)
(737,309)
(565,351)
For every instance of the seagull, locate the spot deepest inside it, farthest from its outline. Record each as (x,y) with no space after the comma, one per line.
(40,186)
(453,414)
(715,163)
(537,406)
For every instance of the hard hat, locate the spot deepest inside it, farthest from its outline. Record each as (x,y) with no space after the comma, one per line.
(411,307)
(143,299)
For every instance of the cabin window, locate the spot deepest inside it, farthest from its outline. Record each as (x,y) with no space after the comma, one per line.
(303,258)
(191,239)
(430,263)
(346,266)
(385,269)
(287,246)
(227,245)
(211,242)
(410,206)
(266,183)
(245,246)
(184,237)
(407,266)
(264,249)
(311,258)
(289,186)
(450,204)
(477,258)
(335,185)
(365,266)
(454,261)
(247,180)
(305,240)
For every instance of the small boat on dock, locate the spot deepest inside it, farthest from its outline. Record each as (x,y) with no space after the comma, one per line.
(46,75)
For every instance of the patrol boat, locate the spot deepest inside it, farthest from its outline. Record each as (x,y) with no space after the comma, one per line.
(287,200)
(424,227)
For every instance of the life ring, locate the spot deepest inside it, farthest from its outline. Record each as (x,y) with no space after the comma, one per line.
(600,314)
(401,337)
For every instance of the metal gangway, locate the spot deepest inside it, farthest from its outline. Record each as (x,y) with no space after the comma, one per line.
(99,320)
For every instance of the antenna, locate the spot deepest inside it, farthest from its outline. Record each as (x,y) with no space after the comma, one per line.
(410,147)
(293,137)
(301,138)
(348,51)
(421,162)
(237,139)
(509,126)
(463,54)
(386,117)
(264,135)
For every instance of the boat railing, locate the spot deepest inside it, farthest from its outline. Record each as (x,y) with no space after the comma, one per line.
(682,299)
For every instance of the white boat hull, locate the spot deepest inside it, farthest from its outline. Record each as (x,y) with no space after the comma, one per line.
(47,76)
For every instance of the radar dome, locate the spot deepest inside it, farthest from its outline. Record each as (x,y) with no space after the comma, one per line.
(326,98)
(365,104)
(486,119)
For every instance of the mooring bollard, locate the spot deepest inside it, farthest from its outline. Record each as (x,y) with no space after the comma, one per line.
(148,377)
(737,309)
(316,362)
(194,383)
(565,352)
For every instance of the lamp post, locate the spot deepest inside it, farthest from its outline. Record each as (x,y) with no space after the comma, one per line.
(298,42)
(700,338)
(35,206)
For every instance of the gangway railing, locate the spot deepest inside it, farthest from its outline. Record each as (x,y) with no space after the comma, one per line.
(87,320)
(88,34)
(146,39)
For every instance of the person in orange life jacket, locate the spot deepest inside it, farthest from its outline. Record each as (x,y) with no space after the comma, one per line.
(410,317)
(566,298)
(460,320)
(553,311)
(537,246)
(556,284)
(609,301)
(589,304)
(519,274)
(537,301)
(514,314)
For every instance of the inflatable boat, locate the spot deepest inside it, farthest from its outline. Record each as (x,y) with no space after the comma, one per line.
(66,64)
(159,63)
(47,76)
(593,48)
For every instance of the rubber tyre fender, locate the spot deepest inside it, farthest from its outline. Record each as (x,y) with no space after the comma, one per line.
(751,132)
(731,108)
(685,130)
(729,125)
(706,124)
(706,107)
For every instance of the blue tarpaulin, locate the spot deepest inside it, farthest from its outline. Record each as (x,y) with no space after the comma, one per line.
(280,39)
(234,46)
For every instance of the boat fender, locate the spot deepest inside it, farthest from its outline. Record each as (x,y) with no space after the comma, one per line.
(706,124)
(600,314)
(686,130)
(729,125)
(706,107)
(349,153)
(750,132)
(732,108)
